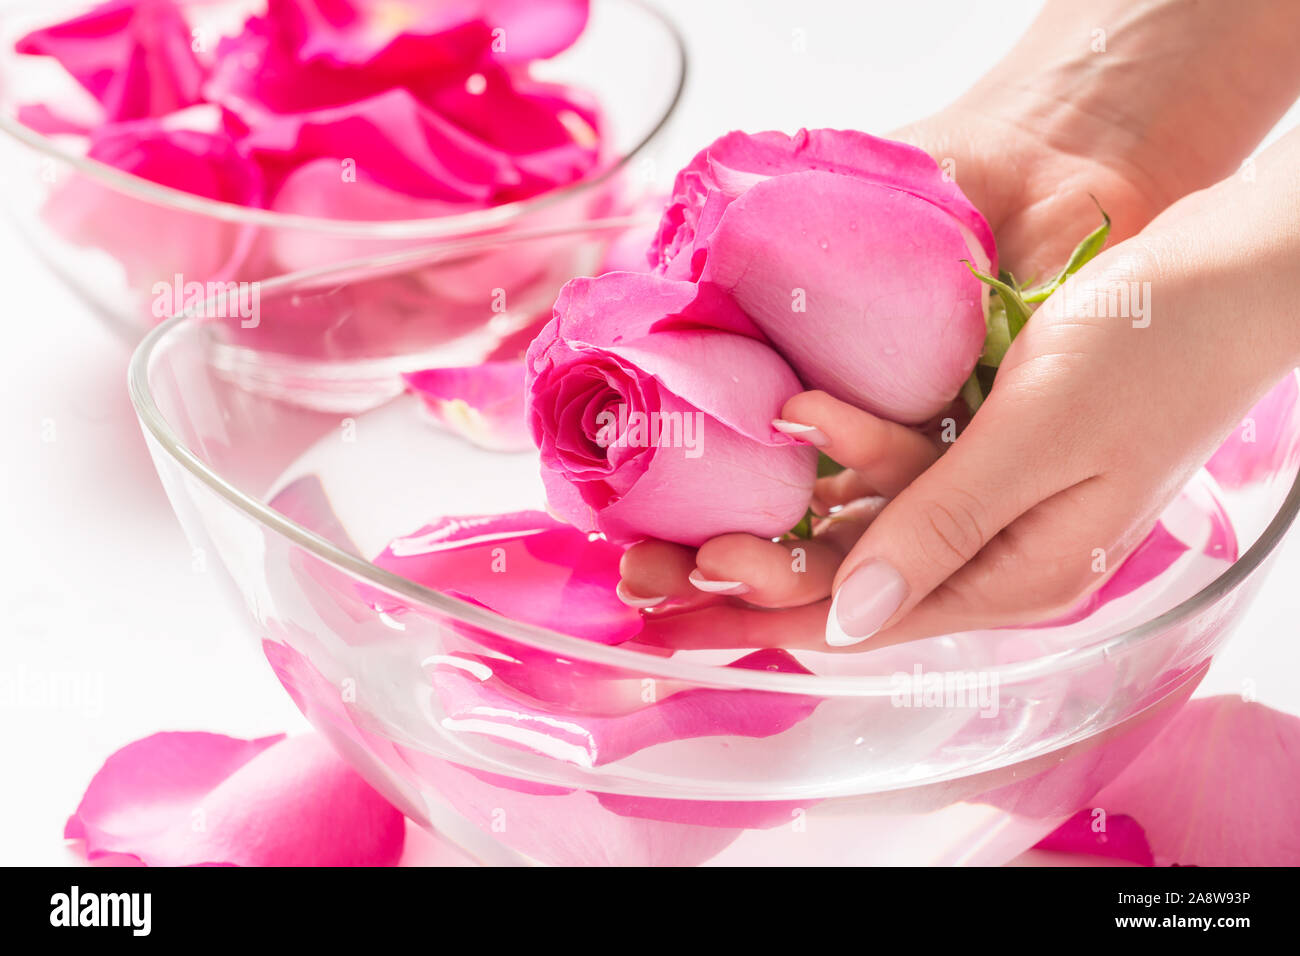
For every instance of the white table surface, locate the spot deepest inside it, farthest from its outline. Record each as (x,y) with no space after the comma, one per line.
(96,582)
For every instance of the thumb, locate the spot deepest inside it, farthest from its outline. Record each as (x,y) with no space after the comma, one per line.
(988,479)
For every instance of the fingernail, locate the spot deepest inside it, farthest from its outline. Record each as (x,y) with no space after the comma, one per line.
(717,587)
(632,600)
(865,601)
(808,433)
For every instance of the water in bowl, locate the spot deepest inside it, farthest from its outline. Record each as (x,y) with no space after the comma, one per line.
(894,776)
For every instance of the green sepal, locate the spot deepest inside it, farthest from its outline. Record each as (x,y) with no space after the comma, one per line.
(826,466)
(972,394)
(1083,253)
(804,528)
(997,338)
(1017,311)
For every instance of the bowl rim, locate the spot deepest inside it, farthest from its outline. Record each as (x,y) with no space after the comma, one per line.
(451,226)
(156,425)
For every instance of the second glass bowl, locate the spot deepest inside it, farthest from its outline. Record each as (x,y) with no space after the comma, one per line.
(134,248)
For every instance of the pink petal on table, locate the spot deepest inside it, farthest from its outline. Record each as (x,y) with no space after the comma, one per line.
(474,703)
(134,56)
(526,566)
(184,799)
(1119,837)
(482,403)
(1217,787)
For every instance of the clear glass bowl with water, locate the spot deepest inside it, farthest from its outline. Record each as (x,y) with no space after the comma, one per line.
(527,745)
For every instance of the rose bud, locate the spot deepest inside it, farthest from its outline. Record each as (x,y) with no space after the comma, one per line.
(652,402)
(846,250)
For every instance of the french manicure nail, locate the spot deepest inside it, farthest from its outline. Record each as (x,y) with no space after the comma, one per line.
(865,601)
(807,433)
(710,586)
(633,600)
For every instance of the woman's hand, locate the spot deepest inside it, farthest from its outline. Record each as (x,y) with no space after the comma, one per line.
(1095,422)
(1116,392)
(1067,116)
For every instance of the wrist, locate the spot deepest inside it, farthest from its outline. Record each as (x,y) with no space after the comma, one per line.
(1155,91)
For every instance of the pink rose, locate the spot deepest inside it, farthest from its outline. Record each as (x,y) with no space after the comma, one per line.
(652,401)
(846,250)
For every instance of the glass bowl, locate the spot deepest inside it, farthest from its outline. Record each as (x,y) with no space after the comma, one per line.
(133,249)
(523,744)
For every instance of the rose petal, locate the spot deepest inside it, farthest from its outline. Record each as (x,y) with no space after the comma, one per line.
(483,403)
(134,56)
(1119,838)
(860,286)
(735,483)
(1216,787)
(1265,438)
(734,163)
(183,799)
(563,827)
(473,703)
(628,344)
(535,29)
(186,151)
(47,122)
(526,566)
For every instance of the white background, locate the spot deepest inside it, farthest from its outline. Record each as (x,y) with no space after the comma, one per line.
(96,580)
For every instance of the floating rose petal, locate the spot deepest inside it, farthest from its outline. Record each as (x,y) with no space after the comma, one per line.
(183,799)
(134,56)
(474,703)
(562,827)
(526,566)
(483,403)
(1265,437)
(45,121)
